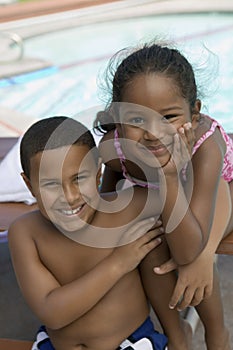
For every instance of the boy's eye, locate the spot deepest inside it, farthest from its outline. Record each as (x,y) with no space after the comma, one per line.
(50,184)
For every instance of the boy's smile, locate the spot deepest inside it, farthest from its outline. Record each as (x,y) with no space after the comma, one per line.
(65,183)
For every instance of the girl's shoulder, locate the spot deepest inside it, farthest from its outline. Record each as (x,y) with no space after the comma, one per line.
(208,129)
(204,126)
(108,151)
(108,136)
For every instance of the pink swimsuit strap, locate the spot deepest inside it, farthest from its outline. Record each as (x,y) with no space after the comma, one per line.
(227,171)
(199,143)
(205,136)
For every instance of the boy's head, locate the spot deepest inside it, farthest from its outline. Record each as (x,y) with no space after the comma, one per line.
(60,164)
(52,133)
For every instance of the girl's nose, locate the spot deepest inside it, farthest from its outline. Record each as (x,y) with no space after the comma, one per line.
(154,131)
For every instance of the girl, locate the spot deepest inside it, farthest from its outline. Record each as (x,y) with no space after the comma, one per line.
(153,113)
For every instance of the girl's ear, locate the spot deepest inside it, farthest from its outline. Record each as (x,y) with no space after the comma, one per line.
(196,113)
(99,172)
(28,183)
(118,127)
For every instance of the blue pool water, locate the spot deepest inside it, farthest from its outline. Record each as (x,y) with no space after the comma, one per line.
(79,55)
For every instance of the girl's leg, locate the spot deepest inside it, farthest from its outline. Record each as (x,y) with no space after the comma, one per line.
(159,289)
(230,224)
(210,310)
(212,316)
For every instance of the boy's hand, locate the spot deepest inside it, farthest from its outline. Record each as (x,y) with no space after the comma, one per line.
(195,281)
(130,255)
(138,229)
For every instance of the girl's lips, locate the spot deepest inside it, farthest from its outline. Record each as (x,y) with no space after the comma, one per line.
(157,150)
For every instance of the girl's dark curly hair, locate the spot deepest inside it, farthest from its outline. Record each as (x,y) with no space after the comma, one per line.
(149,59)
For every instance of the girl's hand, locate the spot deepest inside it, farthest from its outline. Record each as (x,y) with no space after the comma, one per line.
(168,266)
(187,135)
(195,281)
(181,152)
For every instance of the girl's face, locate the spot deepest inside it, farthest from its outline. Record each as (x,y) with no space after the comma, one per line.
(151,112)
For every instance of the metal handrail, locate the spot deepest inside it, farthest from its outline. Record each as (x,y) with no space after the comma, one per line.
(14,40)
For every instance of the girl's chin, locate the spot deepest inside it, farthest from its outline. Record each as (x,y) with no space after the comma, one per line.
(156,162)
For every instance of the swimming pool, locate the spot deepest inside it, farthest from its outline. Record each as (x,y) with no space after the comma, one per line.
(79,55)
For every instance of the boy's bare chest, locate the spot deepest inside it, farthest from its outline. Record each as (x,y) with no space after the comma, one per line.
(67,259)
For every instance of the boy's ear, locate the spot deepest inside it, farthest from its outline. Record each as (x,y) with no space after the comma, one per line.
(28,183)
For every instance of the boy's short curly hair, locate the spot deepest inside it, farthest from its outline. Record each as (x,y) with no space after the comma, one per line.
(52,133)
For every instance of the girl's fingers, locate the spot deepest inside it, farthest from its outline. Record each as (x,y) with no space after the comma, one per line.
(198,297)
(190,137)
(177,295)
(178,155)
(166,267)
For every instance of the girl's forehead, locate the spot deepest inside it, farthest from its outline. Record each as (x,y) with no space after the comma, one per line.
(151,78)
(150,85)
(155,91)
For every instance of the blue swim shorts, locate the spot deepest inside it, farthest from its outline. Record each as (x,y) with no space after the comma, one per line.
(144,338)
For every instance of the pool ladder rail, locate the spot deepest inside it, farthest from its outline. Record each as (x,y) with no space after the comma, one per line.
(14,64)
(11,47)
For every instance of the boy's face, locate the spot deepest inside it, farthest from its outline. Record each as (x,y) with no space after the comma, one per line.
(64,182)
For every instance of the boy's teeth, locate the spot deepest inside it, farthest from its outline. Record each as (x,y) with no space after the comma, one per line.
(72,212)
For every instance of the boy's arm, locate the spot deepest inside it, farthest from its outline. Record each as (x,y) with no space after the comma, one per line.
(58,305)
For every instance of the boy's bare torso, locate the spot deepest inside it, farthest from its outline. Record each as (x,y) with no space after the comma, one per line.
(120,312)
(114,318)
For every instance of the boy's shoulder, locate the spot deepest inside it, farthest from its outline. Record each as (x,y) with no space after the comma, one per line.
(129,202)
(27,224)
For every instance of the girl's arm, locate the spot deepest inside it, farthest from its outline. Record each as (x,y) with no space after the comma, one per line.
(188,223)
(195,280)
(112,168)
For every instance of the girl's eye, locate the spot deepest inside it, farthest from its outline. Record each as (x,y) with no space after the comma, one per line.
(169,116)
(81,178)
(136,120)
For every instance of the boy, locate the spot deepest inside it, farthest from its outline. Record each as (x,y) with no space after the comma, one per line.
(76,257)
